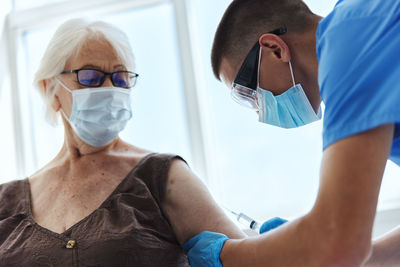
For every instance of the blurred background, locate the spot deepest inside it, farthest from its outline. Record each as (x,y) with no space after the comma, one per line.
(179,107)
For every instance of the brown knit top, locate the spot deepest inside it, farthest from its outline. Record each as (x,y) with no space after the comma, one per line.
(128,229)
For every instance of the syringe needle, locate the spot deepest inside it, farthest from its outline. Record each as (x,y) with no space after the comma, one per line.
(244,219)
(231,211)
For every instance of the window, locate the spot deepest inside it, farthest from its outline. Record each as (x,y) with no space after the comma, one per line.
(254,165)
(258,169)
(157,124)
(27,4)
(7,155)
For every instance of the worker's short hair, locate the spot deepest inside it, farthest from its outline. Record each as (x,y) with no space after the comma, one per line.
(246,20)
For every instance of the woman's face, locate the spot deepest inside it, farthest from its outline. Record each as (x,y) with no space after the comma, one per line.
(98,55)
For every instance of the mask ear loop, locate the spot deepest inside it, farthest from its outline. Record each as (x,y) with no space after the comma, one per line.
(291,72)
(258,67)
(69,90)
(258,76)
(63,85)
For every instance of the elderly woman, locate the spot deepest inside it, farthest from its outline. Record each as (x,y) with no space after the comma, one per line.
(100,201)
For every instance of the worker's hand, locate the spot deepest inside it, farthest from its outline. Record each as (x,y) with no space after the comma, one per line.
(203,250)
(271,224)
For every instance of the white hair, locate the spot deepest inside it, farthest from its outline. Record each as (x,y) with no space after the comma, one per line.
(67,42)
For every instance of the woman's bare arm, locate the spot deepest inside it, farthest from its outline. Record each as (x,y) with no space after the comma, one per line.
(190,207)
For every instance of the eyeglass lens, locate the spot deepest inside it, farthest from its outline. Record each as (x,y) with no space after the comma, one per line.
(95,78)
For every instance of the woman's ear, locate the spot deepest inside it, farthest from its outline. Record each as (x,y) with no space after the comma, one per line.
(50,94)
(274,44)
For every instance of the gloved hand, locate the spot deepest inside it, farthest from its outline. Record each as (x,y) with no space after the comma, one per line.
(271,224)
(204,249)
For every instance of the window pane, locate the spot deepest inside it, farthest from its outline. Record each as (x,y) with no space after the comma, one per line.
(258,169)
(45,140)
(4,10)
(159,117)
(159,121)
(25,4)
(7,152)
(389,197)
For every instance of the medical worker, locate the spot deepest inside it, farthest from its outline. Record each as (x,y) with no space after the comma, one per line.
(282,60)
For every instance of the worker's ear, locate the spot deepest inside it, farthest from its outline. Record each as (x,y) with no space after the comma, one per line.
(49,89)
(274,45)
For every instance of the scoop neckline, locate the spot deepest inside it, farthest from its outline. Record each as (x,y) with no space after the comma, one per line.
(64,235)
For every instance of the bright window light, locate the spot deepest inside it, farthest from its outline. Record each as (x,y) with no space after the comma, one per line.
(7,151)
(25,4)
(258,169)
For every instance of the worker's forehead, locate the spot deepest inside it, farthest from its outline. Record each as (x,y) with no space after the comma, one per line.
(227,72)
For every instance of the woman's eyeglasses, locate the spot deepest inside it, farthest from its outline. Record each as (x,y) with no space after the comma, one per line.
(96,78)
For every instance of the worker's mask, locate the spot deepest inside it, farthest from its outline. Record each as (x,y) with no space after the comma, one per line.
(289,110)
(98,114)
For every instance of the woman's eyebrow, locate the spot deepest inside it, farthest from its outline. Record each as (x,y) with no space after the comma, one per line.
(99,68)
(119,66)
(91,66)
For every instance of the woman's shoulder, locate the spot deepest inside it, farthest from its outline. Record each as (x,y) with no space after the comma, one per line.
(12,197)
(151,167)
(158,163)
(147,157)
(154,170)
(13,187)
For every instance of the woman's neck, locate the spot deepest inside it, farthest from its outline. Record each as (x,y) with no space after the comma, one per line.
(74,148)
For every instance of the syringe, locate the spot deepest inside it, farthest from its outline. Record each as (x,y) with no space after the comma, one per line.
(246,220)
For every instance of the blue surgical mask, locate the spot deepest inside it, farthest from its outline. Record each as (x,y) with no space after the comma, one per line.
(99,114)
(289,110)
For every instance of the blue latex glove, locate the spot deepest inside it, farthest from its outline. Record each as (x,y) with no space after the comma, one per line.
(204,249)
(271,224)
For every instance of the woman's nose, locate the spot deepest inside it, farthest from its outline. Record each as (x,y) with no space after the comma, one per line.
(107,82)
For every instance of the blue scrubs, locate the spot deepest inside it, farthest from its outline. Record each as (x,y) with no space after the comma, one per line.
(358,49)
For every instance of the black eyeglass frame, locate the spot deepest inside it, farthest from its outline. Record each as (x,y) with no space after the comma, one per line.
(105,74)
(247,75)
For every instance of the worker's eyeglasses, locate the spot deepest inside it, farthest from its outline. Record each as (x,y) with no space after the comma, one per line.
(244,86)
(95,78)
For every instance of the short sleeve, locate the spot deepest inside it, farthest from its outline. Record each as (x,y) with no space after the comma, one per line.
(153,171)
(12,198)
(359,75)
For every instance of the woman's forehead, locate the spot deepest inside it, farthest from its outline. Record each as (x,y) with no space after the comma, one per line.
(99,53)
